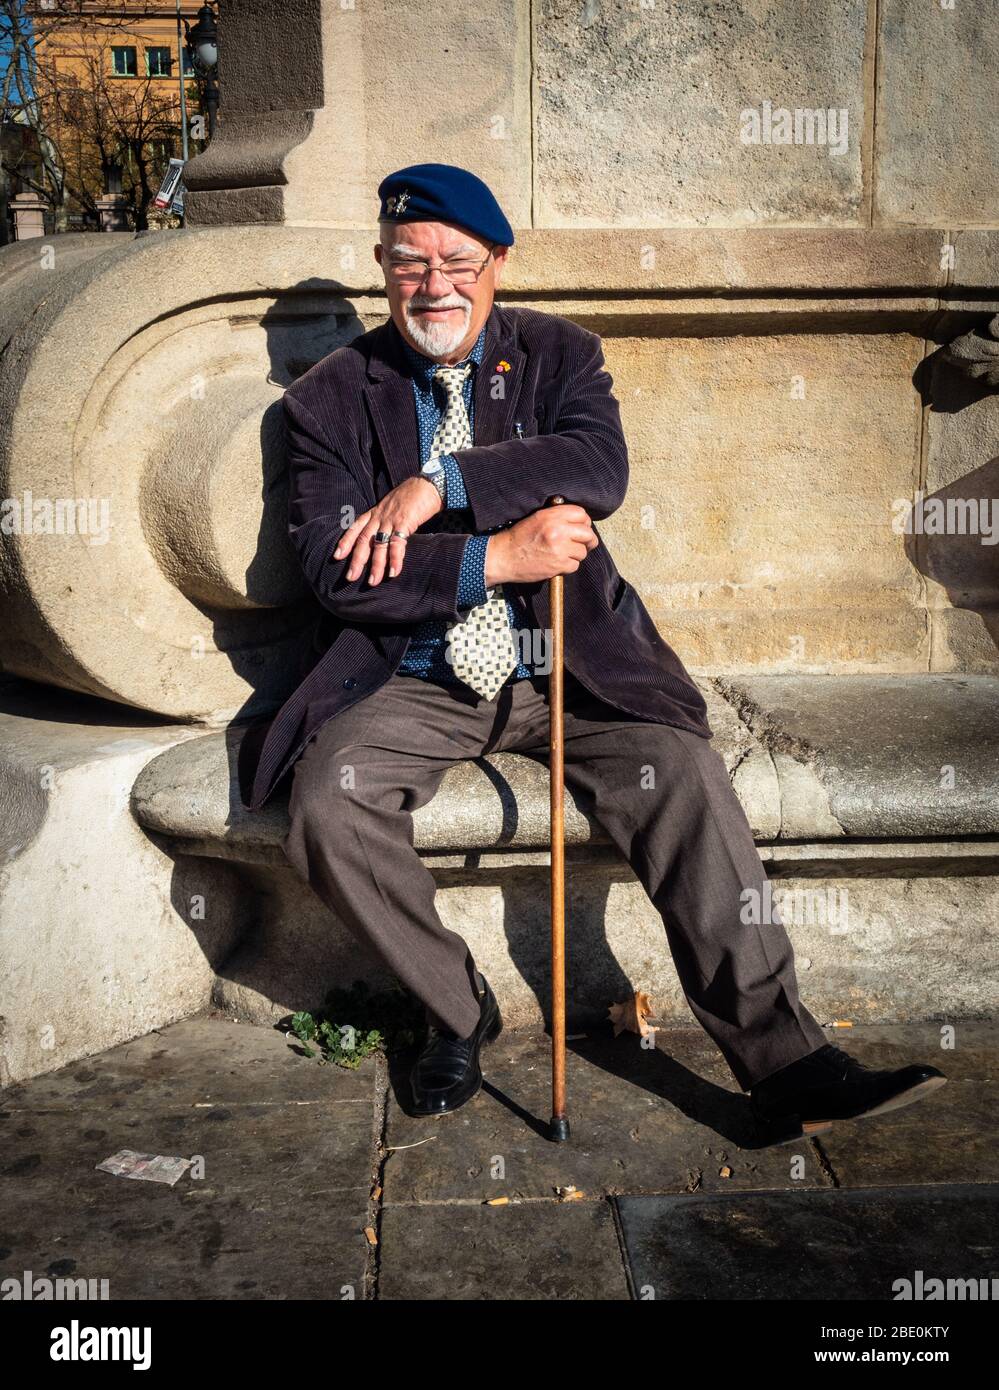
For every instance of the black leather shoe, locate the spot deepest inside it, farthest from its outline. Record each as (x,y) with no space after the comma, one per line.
(829,1085)
(447,1072)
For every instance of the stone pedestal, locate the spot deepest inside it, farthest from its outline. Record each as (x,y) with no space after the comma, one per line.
(29,213)
(112,212)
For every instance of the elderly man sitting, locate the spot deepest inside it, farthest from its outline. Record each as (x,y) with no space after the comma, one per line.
(421,457)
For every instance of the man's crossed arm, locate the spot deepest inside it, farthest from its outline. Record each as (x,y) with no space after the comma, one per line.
(325,497)
(333,518)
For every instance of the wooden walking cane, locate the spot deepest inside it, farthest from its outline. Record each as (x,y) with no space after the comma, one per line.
(559,1131)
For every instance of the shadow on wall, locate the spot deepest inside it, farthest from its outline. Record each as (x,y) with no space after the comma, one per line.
(955,542)
(290,336)
(952,533)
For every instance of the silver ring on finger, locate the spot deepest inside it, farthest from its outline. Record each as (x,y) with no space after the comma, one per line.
(401,535)
(382,537)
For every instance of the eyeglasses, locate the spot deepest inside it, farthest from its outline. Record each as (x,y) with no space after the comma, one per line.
(458,272)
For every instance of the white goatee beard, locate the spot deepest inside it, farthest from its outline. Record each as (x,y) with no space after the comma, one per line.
(437,339)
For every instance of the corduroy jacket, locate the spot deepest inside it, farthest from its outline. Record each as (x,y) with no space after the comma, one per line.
(351,433)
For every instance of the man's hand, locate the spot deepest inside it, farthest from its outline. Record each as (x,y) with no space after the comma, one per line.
(405,508)
(555,540)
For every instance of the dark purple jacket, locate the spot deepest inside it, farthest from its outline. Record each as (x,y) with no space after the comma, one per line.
(352,436)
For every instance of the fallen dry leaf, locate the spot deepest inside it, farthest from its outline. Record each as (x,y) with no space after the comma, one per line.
(632,1014)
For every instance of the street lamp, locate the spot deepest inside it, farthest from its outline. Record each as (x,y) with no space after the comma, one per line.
(203,50)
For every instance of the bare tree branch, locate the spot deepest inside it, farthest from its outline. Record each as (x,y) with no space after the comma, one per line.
(86,122)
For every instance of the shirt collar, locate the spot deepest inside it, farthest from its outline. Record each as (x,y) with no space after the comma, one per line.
(424,367)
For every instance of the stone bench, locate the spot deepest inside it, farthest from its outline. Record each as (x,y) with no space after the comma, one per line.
(882,789)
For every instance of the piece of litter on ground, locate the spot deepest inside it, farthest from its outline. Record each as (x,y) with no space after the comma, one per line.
(842,1023)
(127,1163)
(369,1231)
(725,1172)
(568,1194)
(497,1201)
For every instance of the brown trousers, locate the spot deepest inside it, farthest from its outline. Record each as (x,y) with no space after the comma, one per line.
(680,826)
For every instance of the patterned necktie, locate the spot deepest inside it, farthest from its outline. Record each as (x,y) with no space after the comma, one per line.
(481,649)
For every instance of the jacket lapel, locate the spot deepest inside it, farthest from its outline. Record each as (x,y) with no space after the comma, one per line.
(498,381)
(390,394)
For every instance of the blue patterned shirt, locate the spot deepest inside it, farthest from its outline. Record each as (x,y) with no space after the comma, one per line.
(425,655)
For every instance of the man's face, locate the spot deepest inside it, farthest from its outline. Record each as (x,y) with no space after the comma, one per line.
(439,319)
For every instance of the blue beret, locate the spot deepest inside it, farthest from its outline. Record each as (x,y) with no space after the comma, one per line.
(443,193)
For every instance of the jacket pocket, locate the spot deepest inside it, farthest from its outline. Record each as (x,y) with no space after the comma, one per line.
(620,594)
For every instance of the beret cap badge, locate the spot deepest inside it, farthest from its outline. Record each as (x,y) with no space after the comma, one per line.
(395,206)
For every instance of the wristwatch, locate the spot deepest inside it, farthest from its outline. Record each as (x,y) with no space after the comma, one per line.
(433,471)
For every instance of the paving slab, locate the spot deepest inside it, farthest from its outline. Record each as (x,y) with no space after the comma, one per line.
(536,1250)
(202,1059)
(669,1119)
(808,1245)
(948,1138)
(292,1150)
(964,1050)
(287,1149)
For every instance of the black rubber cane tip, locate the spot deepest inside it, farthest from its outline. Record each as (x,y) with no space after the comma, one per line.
(559,1129)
